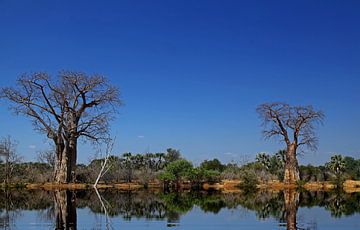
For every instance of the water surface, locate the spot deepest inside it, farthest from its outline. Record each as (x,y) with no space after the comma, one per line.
(111,209)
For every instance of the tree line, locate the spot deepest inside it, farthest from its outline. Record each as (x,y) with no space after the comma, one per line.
(170,169)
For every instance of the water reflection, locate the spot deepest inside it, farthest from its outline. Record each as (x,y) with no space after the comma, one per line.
(291,203)
(60,207)
(65,209)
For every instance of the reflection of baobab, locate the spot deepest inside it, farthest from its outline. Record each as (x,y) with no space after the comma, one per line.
(293,124)
(291,198)
(65,210)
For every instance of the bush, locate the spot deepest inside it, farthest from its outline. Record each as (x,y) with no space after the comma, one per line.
(249,180)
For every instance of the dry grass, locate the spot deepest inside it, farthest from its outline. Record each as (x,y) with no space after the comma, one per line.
(227,186)
(319,186)
(351,186)
(54,186)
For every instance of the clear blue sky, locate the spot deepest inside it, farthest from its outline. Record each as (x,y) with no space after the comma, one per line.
(191,73)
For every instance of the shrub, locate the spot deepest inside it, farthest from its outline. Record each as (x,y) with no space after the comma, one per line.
(249,180)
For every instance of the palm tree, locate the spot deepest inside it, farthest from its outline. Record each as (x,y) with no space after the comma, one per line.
(281,157)
(264,160)
(336,164)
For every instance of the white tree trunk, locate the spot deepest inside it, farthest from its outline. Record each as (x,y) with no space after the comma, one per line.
(104,168)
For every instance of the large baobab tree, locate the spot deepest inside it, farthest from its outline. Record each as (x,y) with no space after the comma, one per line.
(65,108)
(295,125)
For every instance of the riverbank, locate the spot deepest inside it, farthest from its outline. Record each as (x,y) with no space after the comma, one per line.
(349,186)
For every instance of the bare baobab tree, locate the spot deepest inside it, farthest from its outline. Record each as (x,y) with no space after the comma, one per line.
(65,108)
(295,125)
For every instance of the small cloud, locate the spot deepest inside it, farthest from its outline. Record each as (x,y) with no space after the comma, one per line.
(230,154)
(140,136)
(32,146)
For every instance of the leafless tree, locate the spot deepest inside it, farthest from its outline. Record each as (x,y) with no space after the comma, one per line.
(48,157)
(295,125)
(105,167)
(65,108)
(8,152)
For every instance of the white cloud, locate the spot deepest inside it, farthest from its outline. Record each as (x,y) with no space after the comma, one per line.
(32,146)
(140,136)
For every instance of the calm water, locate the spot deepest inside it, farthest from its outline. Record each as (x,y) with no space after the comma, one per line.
(109,209)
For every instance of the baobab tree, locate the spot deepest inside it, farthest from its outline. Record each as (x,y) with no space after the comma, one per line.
(295,125)
(65,108)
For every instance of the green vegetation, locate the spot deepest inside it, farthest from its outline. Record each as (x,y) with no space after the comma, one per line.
(273,164)
(175,172)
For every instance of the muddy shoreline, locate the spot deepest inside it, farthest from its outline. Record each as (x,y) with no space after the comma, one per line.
(349,186)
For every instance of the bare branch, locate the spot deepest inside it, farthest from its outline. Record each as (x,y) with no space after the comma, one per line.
(66,108)
(280,119)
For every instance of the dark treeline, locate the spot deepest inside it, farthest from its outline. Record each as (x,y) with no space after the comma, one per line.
(172,170)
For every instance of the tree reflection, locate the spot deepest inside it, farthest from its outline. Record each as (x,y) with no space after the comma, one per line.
(291,202)
(65,210)
(60,206)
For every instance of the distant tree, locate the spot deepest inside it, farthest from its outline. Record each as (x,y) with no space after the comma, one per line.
(8,152)
(199,175)
(281,157)
(65,108)
(312,173)
(128,165)
(273,164)
(231,172)
(264,160)
(352,167)
(277,164)
(214,164)
(48,157)
(337,165)
(160,163)
(172,155)
(295,125)
(176,171)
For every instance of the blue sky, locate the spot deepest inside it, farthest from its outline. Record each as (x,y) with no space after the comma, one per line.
(191,73)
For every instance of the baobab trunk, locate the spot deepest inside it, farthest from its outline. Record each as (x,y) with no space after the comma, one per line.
(291,175)
(65,165)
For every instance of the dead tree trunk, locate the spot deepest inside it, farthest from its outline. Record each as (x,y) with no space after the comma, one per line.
(291,175)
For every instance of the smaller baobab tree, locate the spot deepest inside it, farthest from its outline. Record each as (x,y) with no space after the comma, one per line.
(295,125)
